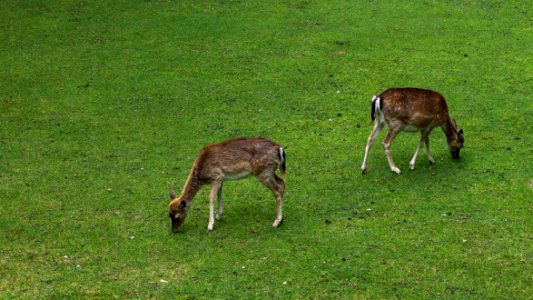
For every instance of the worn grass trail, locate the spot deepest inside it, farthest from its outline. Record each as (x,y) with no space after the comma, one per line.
(105,104)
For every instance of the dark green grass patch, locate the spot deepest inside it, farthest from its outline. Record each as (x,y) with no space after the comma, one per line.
(105,104)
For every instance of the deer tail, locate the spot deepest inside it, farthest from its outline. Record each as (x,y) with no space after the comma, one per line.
(282,160)
(376,107)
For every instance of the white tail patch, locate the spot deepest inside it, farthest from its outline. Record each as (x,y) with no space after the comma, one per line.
(376,101)
(281,156)
(377,104)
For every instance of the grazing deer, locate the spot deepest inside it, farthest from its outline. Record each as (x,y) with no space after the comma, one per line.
(231,159)
(410,109)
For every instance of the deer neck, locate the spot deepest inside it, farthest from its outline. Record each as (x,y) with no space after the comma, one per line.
(449,130)
(191,187)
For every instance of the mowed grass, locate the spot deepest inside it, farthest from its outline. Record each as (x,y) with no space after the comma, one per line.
(105,104)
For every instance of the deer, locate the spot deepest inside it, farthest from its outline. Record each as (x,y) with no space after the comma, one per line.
(232,159)
(411,110)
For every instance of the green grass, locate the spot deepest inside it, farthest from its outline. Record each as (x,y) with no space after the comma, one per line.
(105,104)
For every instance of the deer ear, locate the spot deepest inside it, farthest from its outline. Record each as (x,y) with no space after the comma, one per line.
(454,123)
(183,204)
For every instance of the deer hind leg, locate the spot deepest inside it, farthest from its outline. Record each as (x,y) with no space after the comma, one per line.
(219,196)
(373,135)
(279,200)
(215,186)
(277,186)
(386,144)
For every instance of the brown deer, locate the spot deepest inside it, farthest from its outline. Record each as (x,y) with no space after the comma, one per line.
(410,109)
(231,159)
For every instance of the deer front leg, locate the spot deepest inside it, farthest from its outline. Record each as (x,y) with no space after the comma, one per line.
(215,185)
(413,160)
(423,137)
(219,195)
(430,157)
(373,135)
(386,144)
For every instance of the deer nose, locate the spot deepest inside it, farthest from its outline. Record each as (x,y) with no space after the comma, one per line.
(176,228)
(176,224)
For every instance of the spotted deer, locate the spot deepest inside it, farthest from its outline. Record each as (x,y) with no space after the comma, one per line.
(411,109)
(230,160)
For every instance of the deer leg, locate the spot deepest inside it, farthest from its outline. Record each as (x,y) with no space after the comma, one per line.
(219,196)
(424,137)
(386,144)
(277,186)
(215,185)
(279,200)
(430,157)
(373,135)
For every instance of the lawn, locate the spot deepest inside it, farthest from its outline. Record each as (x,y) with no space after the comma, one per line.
(105,104)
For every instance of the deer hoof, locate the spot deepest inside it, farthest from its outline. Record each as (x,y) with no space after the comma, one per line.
(276,223)
(395,170)
(412,167)
(363,171)
(431,161)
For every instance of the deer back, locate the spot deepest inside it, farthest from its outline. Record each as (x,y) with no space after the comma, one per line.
(411,108)
(237,158)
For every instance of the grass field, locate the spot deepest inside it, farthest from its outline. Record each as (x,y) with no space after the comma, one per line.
(105,104)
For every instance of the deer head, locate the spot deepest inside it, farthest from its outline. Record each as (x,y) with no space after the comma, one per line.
(177,211)
(456,141)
